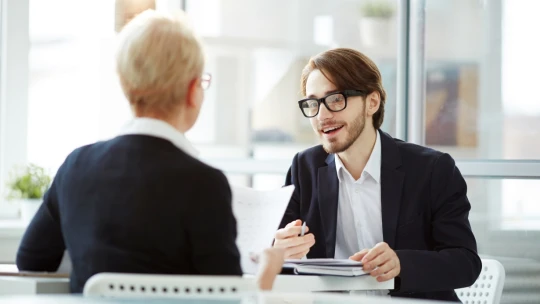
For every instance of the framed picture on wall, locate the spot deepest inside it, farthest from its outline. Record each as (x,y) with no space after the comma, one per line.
(452,105)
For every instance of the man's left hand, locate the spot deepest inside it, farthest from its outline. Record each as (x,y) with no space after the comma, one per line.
(380,261)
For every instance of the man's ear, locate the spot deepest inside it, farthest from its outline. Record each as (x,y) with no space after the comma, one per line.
(373,102)
(191,96)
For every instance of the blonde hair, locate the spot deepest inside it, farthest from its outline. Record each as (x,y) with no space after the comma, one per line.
(157,58)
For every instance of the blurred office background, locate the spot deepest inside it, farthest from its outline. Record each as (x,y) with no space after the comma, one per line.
(461,76)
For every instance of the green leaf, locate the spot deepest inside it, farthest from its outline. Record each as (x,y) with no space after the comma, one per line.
(29,182)
(377,9)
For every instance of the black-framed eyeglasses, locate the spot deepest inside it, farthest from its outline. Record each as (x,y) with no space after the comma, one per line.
(206,80)
(334,102)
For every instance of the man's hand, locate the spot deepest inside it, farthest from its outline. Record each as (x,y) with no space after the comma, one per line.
(380,261)
(296,247)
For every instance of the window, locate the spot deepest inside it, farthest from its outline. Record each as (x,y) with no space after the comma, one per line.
(60,91)
(73,95)
(479,79)
(505,221)
(256,59)
(505,204)
(13,93)
(481,107)
(480,100)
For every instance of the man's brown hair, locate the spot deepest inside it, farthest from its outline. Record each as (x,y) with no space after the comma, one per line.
(348,69)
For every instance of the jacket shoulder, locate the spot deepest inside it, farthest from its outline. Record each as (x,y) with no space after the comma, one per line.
(314,156)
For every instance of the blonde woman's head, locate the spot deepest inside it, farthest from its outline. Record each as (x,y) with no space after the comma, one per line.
(160,63)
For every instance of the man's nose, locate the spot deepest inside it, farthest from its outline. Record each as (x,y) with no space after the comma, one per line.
(324,113)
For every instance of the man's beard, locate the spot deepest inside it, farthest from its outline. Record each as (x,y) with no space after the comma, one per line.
(354,130)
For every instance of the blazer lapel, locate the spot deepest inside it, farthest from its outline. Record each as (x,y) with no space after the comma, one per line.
(391,187)
(328,187)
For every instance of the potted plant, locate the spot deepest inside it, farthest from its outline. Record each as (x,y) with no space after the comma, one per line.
(27,185)
(375,23)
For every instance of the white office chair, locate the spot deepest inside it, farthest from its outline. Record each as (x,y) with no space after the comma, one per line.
(123,285)
(488,287)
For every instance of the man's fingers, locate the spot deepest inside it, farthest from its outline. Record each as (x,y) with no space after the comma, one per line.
(384,268)
(290,231)
(296,241)
(294,223)
(286,232)
(378,261)
(293,251)
(389,275)
(299,255)
(359,255)
(374,252)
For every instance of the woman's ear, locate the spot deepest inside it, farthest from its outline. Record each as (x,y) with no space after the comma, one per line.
(191,96)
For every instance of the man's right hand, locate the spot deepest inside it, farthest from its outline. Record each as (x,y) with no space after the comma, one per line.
(296,247)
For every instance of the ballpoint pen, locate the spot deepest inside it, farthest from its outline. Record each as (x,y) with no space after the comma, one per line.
(303,229)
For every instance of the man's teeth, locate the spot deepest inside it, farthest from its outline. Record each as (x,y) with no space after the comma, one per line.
(330,129)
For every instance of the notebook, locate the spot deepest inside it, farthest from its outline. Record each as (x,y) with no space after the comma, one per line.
(331,267)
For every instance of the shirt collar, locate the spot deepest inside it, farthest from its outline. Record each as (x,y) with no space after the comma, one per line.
(373,165)
(158,128)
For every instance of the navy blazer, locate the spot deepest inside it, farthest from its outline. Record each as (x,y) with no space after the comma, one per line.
(134,204)
(424,215)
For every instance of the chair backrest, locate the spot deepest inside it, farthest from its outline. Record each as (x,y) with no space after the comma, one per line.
(488,287)
(122,285)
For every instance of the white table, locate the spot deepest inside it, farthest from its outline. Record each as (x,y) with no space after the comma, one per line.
(13,282)
(283,283)
(305,283)
(12,285)
(256,298)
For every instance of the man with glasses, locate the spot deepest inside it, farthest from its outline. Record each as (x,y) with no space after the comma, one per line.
(399,208)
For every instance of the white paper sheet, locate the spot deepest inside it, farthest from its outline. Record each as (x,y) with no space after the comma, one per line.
(324,262)
(258,215)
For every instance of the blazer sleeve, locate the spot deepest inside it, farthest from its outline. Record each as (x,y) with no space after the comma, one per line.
(42,246)
(454,263)
(293,209)
(211,226)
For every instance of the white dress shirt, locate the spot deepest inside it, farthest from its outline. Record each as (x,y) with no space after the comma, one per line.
(359,219)
(158,128)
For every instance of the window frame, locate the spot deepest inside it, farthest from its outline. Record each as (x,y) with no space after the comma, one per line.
(14,73)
